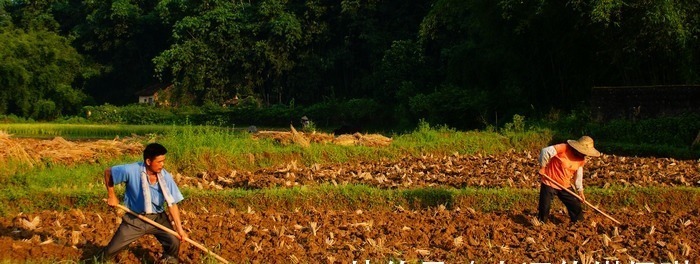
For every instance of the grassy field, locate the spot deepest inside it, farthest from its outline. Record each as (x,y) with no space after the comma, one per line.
(193,149)
(81,131)
(353,197)
(49,188)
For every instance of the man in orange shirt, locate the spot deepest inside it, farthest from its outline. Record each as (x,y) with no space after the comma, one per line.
(562,162)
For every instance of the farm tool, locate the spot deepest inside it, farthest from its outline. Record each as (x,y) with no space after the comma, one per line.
(576,195)
(161,227)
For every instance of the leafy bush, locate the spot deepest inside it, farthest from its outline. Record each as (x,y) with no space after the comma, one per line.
(71,120)
(663,136)
(325,113)
(643,150)
(518,124)
(359,110)
(250,102)
(146,115)
(130,114)
(44,110)
(522,136)
(450,105)
(671,131)
(14,119)
(310,127)
(104,114)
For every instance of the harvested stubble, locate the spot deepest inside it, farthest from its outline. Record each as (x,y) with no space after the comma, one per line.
(369,140)
(304,139)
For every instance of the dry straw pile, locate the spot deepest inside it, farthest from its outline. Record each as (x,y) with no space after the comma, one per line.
(10,149)
(305,139)
(60,151)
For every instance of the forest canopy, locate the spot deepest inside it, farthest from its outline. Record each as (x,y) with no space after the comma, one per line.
(455,62)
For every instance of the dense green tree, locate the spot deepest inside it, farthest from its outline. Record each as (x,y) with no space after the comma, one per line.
(482,64)
(120,38)
(28,14)
(467,63)
(643,42)
(359,36)
(37,69)
(5,18)
(284,50)
(233,48)
(516,55)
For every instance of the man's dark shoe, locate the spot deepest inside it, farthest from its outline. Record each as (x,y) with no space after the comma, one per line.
(167,259)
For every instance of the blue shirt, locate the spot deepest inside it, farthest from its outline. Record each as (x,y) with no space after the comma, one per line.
(130,174)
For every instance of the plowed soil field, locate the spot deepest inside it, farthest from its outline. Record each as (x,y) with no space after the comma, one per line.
(512,169)
(317,232)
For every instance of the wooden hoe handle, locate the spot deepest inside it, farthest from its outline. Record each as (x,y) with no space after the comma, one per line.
(576,195)
(161,227)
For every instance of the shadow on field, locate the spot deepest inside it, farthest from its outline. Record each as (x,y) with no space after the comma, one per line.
(425,198)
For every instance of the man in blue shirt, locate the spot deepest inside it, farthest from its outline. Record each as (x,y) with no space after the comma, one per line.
(147,188)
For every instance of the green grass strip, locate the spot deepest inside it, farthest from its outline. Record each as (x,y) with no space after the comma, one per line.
(352,197)
(193,149)
(81,131)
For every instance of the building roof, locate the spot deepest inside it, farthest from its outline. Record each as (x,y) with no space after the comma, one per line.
(153,89)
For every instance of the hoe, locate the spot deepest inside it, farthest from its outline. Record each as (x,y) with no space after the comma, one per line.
(575,195)
(173,233)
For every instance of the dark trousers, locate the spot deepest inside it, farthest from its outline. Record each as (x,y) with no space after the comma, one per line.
(573,204)
(133,228)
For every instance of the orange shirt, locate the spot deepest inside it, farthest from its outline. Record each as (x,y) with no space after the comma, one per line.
(562,166)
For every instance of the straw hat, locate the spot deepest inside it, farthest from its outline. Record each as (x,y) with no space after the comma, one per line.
(584,145)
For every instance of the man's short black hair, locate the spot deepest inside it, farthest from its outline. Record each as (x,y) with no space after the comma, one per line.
(153,150)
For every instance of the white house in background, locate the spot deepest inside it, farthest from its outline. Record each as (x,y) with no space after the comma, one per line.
(149,95)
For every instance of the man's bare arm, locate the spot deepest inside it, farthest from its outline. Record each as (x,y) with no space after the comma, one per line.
(175,214)
(109,184)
